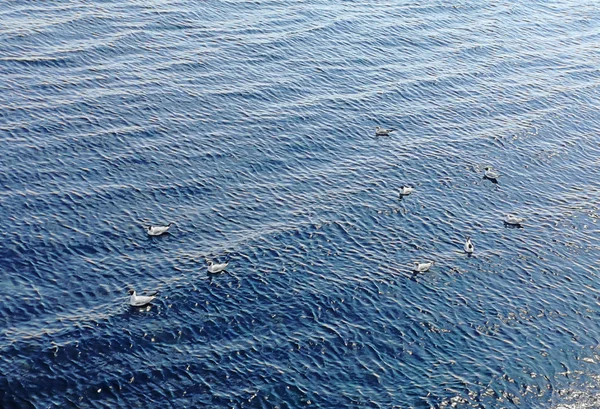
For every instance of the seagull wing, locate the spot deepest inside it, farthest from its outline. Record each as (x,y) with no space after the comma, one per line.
(142,300)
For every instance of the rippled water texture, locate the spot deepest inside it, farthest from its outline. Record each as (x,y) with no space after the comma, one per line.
(251,126)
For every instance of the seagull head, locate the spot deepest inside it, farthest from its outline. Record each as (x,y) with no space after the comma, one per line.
(131,292)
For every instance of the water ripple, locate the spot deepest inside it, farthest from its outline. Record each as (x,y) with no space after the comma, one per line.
(251,127)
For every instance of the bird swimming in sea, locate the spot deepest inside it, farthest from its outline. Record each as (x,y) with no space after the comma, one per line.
(405,191)
(140,300)
(422,267)
(216,268)
(469,248)
(379,131)
(491,174)
(513,220)
(158,230)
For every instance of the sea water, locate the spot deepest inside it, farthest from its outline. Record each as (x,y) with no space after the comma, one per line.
(251,126)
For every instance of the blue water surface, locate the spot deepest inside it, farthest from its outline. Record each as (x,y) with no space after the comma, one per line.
(251,126)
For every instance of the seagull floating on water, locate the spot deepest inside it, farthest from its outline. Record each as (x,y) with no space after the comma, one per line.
(405,191)
(158,230)
(140,300)
(422,267)
(216,268)
(513,220)
(469,248)
(379,131)
(490,173)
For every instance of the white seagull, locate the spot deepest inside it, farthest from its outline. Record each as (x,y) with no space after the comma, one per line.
(469,248)
(140,300)
(405,191)
(422,267)
(158,230)
(379,131)
(490,173)
(216,268)
(512,219)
